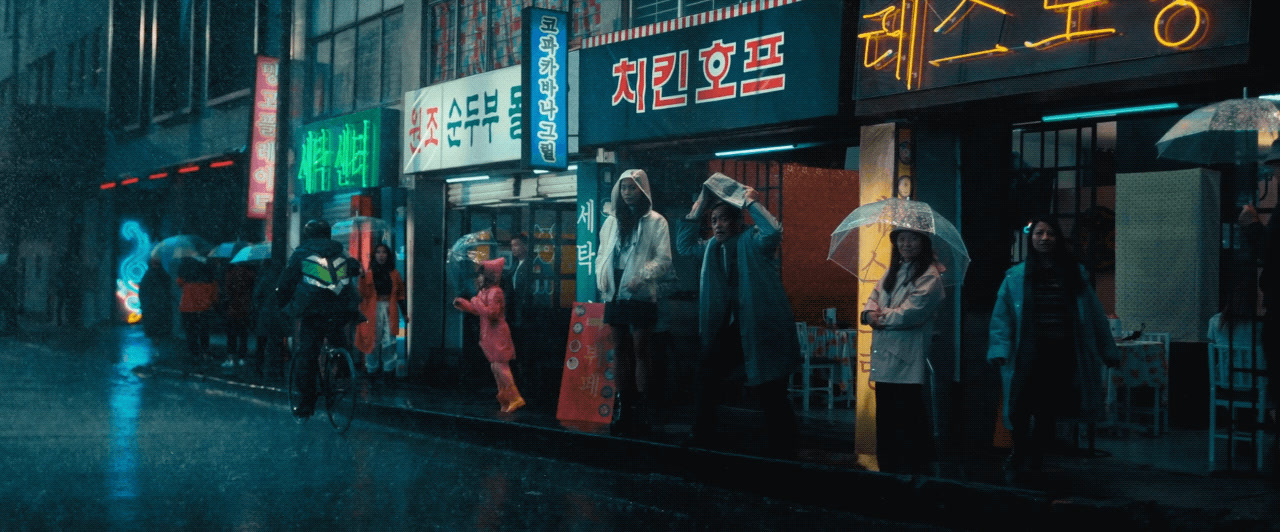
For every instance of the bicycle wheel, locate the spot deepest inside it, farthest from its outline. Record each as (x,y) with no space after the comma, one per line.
(338,381)
(292,377)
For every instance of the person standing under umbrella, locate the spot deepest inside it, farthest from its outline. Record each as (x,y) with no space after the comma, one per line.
(1050,338)
(382,301)
(901,310)
(199,292)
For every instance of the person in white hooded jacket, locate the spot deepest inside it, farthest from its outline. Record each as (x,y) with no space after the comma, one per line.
(901,310)
(634,261)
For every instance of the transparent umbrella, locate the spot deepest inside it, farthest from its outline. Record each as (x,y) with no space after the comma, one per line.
(171,250)
(877,220)
(464,256)
(252,253)
(227,250)
(1226,132)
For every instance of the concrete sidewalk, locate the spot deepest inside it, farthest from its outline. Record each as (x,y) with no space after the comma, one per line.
(971,492)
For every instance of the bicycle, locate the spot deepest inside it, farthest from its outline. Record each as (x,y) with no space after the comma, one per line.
(335,385)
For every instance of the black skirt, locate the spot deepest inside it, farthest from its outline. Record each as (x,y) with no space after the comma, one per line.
(641,314)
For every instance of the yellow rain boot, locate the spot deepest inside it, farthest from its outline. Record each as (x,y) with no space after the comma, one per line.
(514,401)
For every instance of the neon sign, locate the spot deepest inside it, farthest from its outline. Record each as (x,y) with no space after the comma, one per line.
(346,152)
(910,45)
(132,268)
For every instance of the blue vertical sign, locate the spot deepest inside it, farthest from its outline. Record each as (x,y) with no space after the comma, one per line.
(546,87)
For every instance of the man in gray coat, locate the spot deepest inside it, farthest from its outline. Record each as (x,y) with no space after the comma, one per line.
(745,320)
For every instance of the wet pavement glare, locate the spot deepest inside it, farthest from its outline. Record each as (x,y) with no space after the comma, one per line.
(89,444)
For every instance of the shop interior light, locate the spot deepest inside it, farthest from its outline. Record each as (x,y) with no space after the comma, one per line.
(467,178)
(1272,97)
(753,151)
(1109,112)
(572,167)
(542,171)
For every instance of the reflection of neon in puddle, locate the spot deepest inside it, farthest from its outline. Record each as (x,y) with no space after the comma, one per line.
(132,268)
(125,402)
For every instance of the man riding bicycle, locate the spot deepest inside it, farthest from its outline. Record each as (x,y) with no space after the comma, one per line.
(318,291)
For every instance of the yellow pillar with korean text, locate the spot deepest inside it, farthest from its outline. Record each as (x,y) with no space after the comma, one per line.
(876,170)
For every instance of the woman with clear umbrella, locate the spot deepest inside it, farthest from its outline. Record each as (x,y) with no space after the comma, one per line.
(1050,338)
(901,310)
(927,257)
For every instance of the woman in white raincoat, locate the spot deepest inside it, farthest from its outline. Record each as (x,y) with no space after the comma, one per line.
(633,262)
(902,310)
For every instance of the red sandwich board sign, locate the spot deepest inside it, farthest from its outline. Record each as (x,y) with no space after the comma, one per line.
(586,383)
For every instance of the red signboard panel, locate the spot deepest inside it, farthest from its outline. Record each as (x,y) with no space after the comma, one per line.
(262,148)
(586,384)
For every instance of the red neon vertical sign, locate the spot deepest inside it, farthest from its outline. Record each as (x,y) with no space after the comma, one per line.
(262,148)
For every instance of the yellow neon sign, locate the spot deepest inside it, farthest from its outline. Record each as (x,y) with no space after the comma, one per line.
(953,21)
(899,25)
(1163,24)
(901,30)
(1075,20)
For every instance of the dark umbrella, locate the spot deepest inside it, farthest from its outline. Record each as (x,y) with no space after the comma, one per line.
(1226,132)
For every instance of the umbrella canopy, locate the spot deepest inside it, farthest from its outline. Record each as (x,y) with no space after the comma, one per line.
(253,253)
(879,219)
(171,249)
(227,250)
(464,257)
(362,224)
(1226,132)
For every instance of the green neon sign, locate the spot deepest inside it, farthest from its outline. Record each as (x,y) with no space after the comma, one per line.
(342,153)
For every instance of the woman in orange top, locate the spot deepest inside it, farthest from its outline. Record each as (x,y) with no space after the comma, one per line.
(382,301)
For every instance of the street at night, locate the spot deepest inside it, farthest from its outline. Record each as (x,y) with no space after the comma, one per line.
(89,444)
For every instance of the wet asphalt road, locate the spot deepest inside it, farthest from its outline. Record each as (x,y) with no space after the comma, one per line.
(88,444)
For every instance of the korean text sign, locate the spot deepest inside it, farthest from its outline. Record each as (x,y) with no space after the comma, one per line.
(774,65)
(469,121)
(909,45)
(346,152)
(262,155)
(546,82)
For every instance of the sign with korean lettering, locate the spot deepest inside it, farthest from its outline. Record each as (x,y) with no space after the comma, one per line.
(465,122)
(546,82)
(772,65)
(349,152)
(587,385)
(911,45)
(262,142)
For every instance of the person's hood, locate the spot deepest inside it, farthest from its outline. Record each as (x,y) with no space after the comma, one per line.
(494,267)
(641,180)
(323,247)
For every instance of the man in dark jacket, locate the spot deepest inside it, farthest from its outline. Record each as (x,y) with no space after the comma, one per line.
(318,291)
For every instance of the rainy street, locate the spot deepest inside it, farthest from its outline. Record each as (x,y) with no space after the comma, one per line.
(90,444)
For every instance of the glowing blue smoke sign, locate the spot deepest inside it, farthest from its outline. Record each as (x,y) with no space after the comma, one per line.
(132,268)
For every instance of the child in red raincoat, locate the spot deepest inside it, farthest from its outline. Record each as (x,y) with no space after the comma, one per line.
(495,335)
